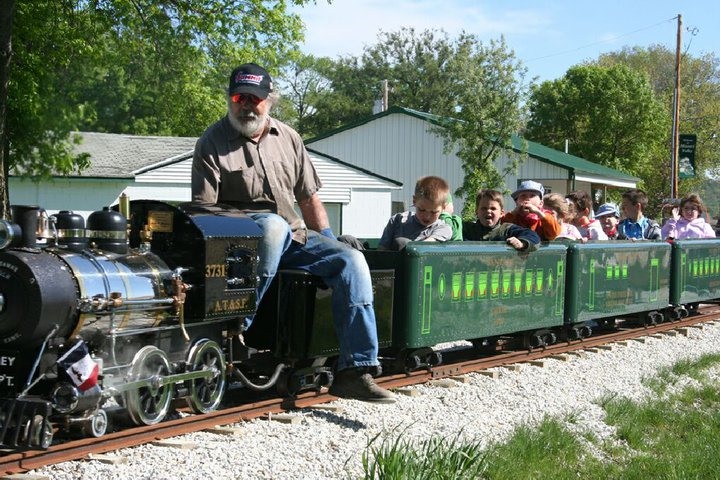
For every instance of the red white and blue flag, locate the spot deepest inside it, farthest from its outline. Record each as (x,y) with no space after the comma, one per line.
(81,369)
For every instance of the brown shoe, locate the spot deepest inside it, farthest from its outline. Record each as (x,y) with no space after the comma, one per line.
(357,384)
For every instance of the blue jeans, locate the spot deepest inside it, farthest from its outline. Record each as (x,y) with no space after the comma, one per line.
(277,237)
(342,268)
(345,270)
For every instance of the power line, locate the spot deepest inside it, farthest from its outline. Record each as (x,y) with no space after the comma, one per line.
(611,39)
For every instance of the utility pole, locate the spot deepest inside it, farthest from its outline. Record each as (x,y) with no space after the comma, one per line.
(384,95)
(676,117)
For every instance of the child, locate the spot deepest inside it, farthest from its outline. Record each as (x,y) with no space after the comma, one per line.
(608,215)
(687,221)
(424,224)
(455,221)
(635,225)
(564,211)
(589,228)
(489,210)
(529,211)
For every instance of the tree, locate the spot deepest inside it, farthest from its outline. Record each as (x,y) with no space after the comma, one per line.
(423,71)
(144,67)
(489,99)
(609,115)
(7,12)
(699,101)
(303,85)
(479,86)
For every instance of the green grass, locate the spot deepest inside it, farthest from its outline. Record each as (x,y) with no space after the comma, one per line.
(684,368)
(437,459)
(671,436)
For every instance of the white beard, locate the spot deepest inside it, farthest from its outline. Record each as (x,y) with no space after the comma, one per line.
(248,123)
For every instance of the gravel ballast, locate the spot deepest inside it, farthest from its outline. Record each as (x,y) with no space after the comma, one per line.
(326,444)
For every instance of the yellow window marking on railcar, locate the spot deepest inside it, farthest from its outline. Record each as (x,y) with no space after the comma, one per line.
(506,278)
(469,286)
(442,287)
(683,272)
(654,278)
(608,275)
(456,286)
(528,283)
(482,285)
(495,284)
(517,282)
(560,293)
(539,281)
(427,299)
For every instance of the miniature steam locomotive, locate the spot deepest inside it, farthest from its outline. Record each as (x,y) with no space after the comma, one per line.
(136,312)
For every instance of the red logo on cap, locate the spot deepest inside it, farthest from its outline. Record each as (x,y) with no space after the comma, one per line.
(248,78)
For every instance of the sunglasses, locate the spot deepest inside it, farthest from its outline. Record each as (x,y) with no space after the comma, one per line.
(245,98)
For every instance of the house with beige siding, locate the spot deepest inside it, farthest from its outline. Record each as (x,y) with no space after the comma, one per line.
(402,144)
(159,168)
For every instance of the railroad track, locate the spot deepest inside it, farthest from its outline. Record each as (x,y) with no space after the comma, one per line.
(17,462)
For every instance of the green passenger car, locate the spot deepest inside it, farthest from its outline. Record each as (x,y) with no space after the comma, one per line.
(617,279)
(695,271)
(471,290)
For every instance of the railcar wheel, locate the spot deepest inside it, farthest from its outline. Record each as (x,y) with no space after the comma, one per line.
(148,405)
(97,425)
(206,393)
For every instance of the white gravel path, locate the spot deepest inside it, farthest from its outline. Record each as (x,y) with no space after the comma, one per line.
(329,445)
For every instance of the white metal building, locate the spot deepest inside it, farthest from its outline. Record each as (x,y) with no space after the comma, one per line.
(400,143)
(158,168)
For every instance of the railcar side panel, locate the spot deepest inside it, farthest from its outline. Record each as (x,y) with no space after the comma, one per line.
(616,279)
(468,290)
(695,271)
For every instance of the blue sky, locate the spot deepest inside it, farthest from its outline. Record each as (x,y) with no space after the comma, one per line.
(547,36)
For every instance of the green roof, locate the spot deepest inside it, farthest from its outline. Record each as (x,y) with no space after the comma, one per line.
(565,160)
(534,149)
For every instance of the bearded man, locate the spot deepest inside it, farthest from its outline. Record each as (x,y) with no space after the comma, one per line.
(259,165)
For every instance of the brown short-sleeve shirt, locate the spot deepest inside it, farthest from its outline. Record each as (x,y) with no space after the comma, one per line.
(264,176)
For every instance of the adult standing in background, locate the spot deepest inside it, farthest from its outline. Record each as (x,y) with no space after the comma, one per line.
(259,165)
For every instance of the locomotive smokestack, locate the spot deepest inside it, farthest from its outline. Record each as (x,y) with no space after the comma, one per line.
(27,217)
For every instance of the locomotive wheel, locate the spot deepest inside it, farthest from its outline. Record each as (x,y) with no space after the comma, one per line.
(40,432)
(206,393)
(148,405)
(97,425)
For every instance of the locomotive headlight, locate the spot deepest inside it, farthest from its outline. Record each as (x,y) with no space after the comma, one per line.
(65,397)
(10,234)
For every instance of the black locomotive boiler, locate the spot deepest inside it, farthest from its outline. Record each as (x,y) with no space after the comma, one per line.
(135,314)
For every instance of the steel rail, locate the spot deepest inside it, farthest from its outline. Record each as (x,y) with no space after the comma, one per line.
(17,462)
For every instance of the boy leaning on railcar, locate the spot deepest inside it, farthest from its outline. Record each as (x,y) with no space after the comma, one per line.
(423,224)
(530,212)
(489,211)
(635,225)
